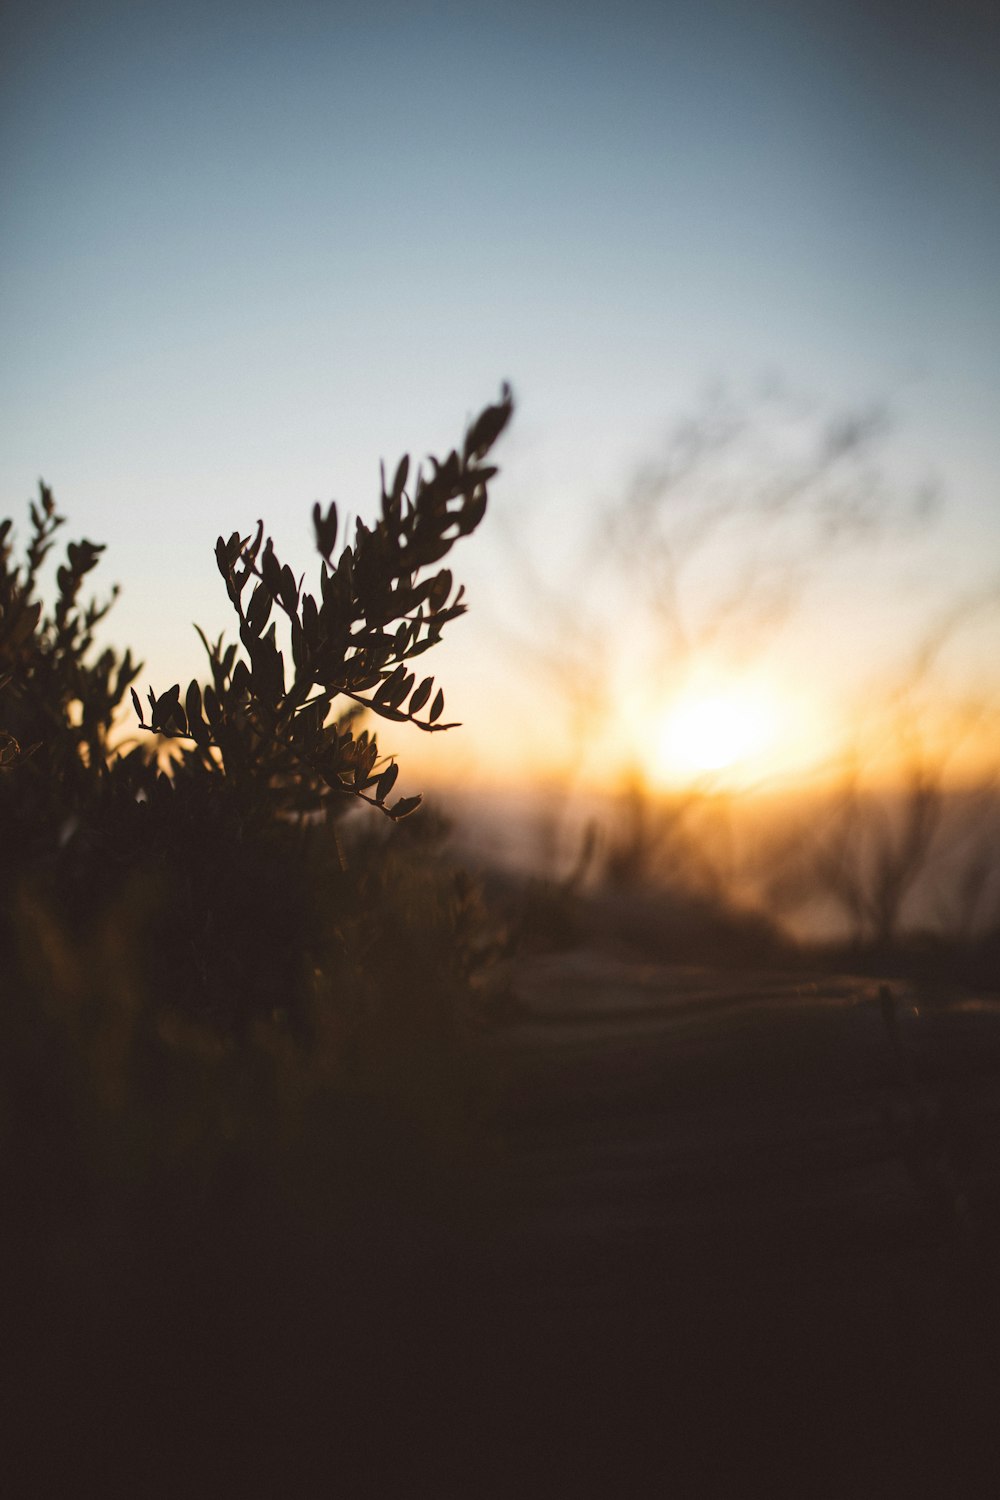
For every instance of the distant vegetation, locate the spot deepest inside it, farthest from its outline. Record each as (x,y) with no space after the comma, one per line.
(703,557)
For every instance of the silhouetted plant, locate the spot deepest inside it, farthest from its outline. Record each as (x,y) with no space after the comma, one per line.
(376,611)
(189,946)
(57,706)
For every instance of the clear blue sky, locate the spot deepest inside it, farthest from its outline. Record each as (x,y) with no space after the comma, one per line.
(249,249)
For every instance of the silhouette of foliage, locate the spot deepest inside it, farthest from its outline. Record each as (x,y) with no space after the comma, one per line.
(195,942)
(377,609)
(56,705)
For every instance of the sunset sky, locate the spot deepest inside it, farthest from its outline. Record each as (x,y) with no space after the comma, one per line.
(248,250)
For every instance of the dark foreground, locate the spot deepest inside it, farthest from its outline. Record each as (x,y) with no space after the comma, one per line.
(716,1235)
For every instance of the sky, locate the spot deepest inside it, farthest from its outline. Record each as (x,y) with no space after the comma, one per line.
(250,250)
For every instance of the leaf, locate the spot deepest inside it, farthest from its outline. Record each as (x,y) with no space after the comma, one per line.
(26,624)
(425,553)
(204,641)
(197,727)
(472,512)
(399,482)
(437,707)
(400,691)
(489,425)
(259,609)
(404,807)
(288,591)
(385,712)
(250,548)
(138,705)
(385,693)
(270,568)
(127,669)
(386,782)
(167,708)
(439,590)
(310,620)
(268,669)
(421,695)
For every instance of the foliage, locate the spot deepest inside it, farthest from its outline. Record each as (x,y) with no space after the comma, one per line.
(194,938)
(56,705)
(376,612)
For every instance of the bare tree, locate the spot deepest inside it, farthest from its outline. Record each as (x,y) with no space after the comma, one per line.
(709,547)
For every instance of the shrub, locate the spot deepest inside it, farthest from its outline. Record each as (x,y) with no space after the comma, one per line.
(194,940)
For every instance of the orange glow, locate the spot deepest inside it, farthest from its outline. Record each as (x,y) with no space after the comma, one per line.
(715,732)
(733,731)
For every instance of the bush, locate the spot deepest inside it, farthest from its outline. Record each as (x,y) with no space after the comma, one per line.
(195,939)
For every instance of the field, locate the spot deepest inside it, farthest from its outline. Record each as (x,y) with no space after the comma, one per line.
(712,1232)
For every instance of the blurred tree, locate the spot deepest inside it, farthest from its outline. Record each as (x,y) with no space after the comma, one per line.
(705,554)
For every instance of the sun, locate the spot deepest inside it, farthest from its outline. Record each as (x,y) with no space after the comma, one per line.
(707,733)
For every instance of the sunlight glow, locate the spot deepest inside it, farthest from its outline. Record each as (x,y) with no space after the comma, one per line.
(704,733)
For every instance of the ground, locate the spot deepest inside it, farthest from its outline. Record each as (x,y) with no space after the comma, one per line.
(718,1233)
(758,1217)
